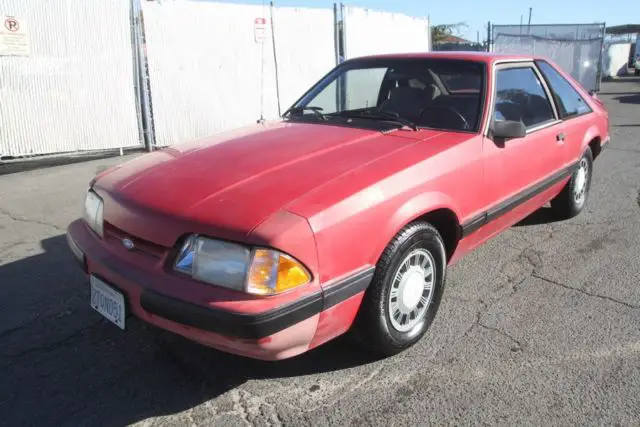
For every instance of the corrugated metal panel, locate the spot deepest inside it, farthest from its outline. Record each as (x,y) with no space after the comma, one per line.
(369,32)
(305,49)
(205,68)
(75,91)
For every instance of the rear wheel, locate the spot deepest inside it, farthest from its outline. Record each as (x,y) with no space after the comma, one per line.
(405,293)
(573,196)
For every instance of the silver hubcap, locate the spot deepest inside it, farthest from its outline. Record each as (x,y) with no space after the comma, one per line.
(412,290)
(580,187)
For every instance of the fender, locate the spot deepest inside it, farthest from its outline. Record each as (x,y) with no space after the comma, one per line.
(409,211)
(589,135)
(102,174)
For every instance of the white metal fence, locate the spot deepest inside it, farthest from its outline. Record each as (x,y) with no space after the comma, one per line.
(205,68)
(108,74)
(208,73)
(74,91)
(302,33)
(369,32)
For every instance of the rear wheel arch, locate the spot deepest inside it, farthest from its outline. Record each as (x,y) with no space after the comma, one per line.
(592,139)
(596,147)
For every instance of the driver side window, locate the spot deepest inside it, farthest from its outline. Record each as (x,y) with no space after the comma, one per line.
(521,97)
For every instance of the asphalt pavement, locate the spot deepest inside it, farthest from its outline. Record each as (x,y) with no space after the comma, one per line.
(540,326)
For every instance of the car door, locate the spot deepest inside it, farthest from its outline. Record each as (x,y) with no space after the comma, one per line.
(517,169)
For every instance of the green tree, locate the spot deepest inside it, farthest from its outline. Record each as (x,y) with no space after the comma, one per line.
(440,32)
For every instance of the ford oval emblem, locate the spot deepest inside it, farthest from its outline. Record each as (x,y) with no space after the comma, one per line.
(128,243)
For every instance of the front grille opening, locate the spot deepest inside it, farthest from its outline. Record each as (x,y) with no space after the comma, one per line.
(116,236)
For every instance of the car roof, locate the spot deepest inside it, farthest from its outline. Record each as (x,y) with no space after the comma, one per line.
(487,57)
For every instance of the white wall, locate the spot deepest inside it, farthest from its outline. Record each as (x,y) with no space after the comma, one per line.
(205,74)
(75,90)
(369,32)
(305,49)
(615,59)
(210,75)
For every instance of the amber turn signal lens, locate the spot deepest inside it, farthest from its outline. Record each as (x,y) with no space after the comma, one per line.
(272,272)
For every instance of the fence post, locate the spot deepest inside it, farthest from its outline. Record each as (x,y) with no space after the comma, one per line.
(275,58)
(599,75)
(344,32)
(488,36)
(136,72)
(342,81)
(429,34)
(336,33)
(144,87)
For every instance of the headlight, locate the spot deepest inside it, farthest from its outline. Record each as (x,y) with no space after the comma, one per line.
(93,207)
(258,271)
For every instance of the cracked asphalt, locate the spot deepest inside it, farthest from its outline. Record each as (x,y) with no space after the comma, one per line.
(539,326)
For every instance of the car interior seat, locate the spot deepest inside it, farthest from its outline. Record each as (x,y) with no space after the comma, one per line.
(407,101)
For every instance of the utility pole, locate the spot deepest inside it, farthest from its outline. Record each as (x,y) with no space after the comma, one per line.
(529,24)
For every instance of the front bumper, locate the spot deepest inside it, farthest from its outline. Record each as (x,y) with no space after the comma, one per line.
(246,326)
(265,328)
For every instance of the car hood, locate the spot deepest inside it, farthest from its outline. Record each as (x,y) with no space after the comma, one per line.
(231,182)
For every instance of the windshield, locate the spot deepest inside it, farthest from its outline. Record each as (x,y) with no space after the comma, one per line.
(434,93)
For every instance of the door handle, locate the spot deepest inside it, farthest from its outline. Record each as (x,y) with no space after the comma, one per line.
(560,137)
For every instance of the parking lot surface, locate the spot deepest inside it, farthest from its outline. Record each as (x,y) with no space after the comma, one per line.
(539,326)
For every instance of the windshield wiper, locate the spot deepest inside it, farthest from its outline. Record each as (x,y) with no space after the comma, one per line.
(316,110)
(381,115)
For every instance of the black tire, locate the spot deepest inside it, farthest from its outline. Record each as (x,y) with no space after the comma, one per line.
(637,72)
(373,326)
(565,205)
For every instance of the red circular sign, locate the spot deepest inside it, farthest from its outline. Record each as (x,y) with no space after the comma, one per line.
(11,24)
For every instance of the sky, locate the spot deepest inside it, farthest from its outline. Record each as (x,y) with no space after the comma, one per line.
(476,13)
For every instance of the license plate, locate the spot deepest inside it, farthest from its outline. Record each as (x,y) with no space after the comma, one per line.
(107,301)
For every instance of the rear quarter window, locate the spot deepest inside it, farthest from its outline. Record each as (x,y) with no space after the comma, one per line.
(570,103)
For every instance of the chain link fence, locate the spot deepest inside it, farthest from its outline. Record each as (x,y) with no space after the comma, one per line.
(575,47)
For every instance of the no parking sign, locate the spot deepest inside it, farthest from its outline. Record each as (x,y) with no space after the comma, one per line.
(260,30)
(14,39)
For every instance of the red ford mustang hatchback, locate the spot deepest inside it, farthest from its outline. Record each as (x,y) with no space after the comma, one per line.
(270,240)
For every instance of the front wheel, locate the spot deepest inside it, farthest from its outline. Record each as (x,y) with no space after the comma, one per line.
(402,300)
(573,196)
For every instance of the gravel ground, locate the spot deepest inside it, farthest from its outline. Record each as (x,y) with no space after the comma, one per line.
(539,326)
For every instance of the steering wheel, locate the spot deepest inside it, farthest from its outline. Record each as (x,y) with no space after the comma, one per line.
(457,114)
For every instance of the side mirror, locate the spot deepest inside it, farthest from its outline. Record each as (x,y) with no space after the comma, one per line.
(507,129)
